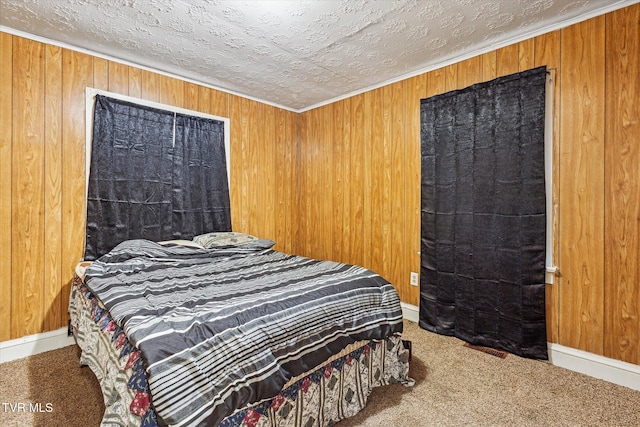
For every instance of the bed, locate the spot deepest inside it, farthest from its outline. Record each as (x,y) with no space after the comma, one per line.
(225,330)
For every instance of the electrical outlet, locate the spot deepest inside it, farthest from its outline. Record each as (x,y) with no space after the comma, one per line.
(414,279)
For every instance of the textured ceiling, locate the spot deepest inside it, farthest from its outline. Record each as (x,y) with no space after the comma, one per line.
(296,53)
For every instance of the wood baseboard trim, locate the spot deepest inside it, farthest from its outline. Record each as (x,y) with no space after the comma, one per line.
(30,345)
(593,365)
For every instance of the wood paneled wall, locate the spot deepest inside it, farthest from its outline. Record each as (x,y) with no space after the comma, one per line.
(341,181)
(360,177)
(42,169)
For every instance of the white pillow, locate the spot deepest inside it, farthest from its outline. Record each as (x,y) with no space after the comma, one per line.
(223,238)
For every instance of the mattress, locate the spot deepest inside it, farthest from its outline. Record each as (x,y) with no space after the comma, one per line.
(321,382)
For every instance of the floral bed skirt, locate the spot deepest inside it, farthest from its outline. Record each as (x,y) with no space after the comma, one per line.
(335,390)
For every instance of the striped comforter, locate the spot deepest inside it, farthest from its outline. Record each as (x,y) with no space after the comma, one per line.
(221,328)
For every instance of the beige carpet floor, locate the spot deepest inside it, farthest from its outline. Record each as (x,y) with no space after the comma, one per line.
(455,386)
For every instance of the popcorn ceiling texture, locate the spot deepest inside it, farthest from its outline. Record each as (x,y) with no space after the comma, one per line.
(292,53)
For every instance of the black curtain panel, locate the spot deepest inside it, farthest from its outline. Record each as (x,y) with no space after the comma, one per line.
(130,179)
(200,183)
(154,175)
(483,214)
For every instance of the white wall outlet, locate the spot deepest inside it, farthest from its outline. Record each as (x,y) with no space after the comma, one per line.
(414,279)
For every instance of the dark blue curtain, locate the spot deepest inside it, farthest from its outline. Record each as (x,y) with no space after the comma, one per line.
(483,214)
(153,175)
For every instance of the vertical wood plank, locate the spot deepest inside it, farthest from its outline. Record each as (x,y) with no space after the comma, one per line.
(622,202)
(77,74)
(204,100)
(489,63)
(469,71)
(507,60)
(415,89)
(53,190)
(582,186)
(191,96)
(171,91)
(451,77)
(349,187)
(27,219)
(313,184)
(281,184)
(303,204)
(327,184)
(118,78)
(236,173)
(386,188)
(219,103)
(293,171)
(101,74)
(6,199)
(340,186)
(377,181)
(135,82)
(356,179)
(526,54)
(436,82)
(367,171)
(150,87)
(547,52)
(267,181)
(256,114)
(398,167)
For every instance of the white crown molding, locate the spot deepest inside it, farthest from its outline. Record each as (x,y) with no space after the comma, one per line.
(63,45)
(520,37)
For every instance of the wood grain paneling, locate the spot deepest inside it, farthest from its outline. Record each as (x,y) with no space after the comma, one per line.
(267,174)
(256,113)
(576,303)
(326,187)
(135,82)
(171,91)
(101,74)
(53,189)
(451,77)
(507,60)
(436,82)
(77,74)
(622,202)
(399,276)
(42,168)
(6,195)
(526,54)
(385,183)
(341,179)
(582,186)
(377,180)
(469,71)
(27,219)
(356,180)
(415,90)
(489,71)
(118,78)
(192,96)
(150,87)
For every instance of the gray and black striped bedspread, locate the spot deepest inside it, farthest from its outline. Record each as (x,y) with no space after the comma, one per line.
(220,328)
